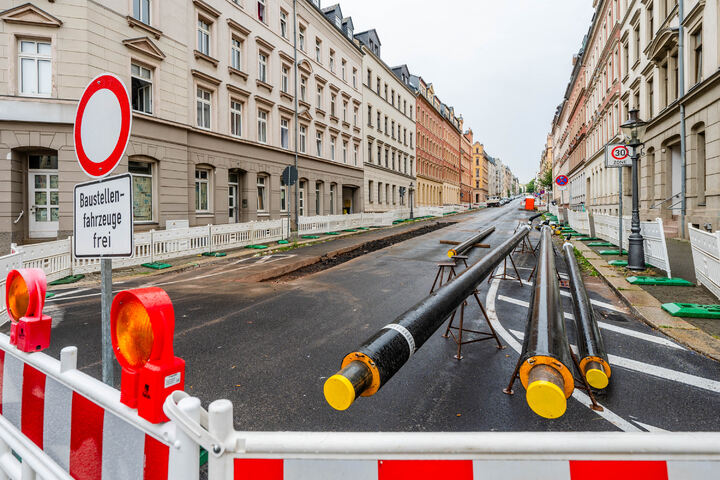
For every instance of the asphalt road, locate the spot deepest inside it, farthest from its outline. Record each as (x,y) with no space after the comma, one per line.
(268,347)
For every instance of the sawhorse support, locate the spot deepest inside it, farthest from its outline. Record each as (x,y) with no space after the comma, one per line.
(450,265)
(504,275)
(458,339)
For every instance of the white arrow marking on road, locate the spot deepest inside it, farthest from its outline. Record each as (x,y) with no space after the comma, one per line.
(581,397)
(606,326)
(654,370)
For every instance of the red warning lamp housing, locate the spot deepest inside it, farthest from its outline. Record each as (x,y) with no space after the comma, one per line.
(25,298)
(142,324)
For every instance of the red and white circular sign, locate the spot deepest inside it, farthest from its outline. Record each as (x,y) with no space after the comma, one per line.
(620,152)
(102,125)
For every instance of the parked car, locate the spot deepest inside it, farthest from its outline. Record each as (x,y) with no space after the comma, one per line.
(493,201)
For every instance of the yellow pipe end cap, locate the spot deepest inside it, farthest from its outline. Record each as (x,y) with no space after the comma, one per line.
(546,399)
(596,378)
(339,392)
(451,253)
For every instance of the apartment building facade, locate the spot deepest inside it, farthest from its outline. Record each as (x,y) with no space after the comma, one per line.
(430,168)
(466,152)
(480,173)
(389,144)
(212,90)
(451,131)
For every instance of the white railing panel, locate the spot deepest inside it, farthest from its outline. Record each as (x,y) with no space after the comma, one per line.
(706,258)
(54,258)
(7,263)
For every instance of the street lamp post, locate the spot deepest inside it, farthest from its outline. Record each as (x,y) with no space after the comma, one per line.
(634,129)
(410,195)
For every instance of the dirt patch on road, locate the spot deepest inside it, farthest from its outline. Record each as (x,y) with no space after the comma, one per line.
(327,262)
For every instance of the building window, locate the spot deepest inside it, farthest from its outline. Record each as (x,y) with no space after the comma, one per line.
(235,118)
(355,154)
(318,50)
(332,199)
(343,68)
(318,198)
(261,10)
(301,197)
(35,68)
(379,192)
(651,100)
(701,163)
(141,11)
(204,100)
(262,126)
(284,132)
(698,57)
(354,77)
(332,61)
(283,24)
(333,97)
(262,193)
(236,54)
(283,196)
(345,105)
(355,116)
(650,23)
(262,67)
(369,78)
(344,151)
(303,88)
(284,79)
(369,116)
(332,148)
(370,190)
(142,183)
(303,135)
(318,143)
(202,190)
(301,38)
(369,157)
(203,39)
(141,88)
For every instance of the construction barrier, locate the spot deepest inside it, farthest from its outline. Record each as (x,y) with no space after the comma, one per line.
(236,455)
(579,221)
(607,228)
(706,258)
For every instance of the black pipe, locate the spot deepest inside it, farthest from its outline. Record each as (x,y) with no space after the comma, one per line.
(467,244)
(545,343)
(383,354)
(594,363)
(535,216)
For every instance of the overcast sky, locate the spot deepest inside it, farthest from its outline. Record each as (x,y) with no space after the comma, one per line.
(503,64)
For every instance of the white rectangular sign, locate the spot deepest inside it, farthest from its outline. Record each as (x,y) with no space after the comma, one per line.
(103,225)
(617,155)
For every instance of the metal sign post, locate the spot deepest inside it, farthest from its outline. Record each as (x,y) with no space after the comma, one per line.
(103,226)
(617,155)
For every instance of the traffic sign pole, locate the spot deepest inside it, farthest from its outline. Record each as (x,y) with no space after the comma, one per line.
(103,209)
(620,210)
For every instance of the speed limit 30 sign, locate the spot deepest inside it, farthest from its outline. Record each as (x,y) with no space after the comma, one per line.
(617,155)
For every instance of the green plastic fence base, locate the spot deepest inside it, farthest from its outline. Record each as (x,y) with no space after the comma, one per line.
(363,228)
(214,254)
(283,242)
(156,265)
(257,247)
(693,310)
(674,282)
(310,237)
(576,234)
(623,263)
(350,230)
(66,280)
(49,294)
(203,456)
(612,252)
(588,239)
(332,233)
(600,244)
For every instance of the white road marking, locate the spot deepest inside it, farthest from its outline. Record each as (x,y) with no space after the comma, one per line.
(581,397)
(606,326)
(650,428)
(654,370)
(70,292)
(597,303)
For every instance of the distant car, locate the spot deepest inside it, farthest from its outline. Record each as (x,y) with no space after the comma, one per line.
(493,201)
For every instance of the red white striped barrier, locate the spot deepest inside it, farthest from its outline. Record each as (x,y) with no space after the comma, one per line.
(306,469)
(81,425)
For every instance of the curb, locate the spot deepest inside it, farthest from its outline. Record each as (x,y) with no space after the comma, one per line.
(647,308)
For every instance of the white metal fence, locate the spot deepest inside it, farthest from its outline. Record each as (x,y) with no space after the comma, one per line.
(607,227)
(706,258)
(554,210)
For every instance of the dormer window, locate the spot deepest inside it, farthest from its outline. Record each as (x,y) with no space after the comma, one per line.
(338,22)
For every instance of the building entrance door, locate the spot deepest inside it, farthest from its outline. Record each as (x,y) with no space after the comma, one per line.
(676,179)
(43,202)
(233,198)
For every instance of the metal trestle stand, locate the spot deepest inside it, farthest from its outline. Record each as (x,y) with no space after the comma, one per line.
(458,338)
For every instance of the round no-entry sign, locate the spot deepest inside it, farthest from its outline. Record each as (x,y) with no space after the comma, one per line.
(102,125)
(561,180)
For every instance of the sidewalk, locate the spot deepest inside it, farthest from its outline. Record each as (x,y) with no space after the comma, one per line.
(701,335)
(300,254)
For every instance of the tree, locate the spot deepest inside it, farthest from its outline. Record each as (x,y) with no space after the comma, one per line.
(530,187)
(546,179)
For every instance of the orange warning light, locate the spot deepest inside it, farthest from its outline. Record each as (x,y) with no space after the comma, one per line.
(142,323)
(25,299)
